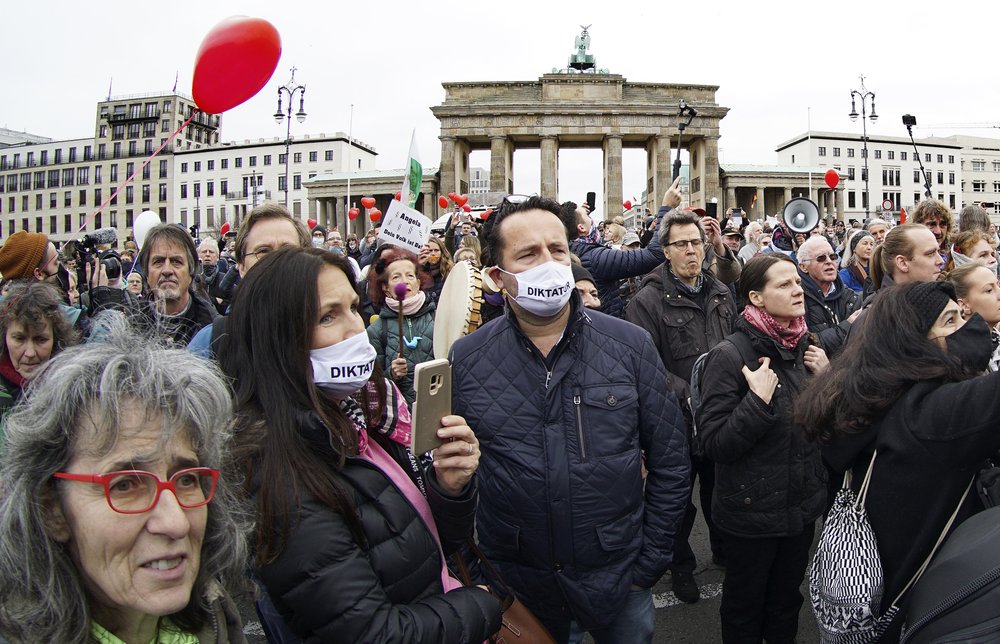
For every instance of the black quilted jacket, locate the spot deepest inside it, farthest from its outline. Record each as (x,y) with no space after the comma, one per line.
(769,480)
(563,512)
(327,588)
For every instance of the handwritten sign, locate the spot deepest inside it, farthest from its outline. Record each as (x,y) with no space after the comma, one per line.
(405,227)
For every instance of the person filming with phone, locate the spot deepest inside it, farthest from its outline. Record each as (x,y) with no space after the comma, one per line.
(352,530)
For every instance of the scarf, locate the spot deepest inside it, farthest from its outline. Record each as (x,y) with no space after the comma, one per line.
(167,633)
(687,288)
(8,371)
(411,304)
(787,337)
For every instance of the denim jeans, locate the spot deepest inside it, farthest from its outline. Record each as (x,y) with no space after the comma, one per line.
(635,622)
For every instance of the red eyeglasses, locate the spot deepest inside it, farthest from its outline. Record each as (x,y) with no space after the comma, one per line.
(135,492)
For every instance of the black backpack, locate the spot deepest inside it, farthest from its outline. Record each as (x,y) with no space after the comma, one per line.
(958,597)
(742,343)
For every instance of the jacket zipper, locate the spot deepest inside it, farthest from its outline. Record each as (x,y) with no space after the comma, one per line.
(963,592)
(579,425)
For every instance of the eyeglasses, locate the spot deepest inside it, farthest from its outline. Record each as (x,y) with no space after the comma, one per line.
(833,257)
(262,253)
(135,492)
(682,244)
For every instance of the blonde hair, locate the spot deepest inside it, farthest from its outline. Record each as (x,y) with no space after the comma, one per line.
(617,233)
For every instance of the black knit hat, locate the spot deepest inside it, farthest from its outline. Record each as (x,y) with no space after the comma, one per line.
(582,274)
(928,299)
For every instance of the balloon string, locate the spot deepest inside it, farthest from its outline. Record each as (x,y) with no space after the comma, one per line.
(145,163)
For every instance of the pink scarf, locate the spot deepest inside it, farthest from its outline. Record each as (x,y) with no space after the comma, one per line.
(411,304)
(787,337)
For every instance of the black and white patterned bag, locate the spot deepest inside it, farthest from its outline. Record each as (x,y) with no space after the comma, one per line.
(845,583)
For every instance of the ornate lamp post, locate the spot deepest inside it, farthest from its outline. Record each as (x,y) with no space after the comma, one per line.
(864,95)
(291,88)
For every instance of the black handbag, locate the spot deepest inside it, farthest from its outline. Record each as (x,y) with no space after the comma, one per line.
(988,483)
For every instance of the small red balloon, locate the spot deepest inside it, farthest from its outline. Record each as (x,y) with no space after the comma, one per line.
(486,214)
(443,202)
(628,205)
(375,214)
(832,178)
(398,196)
(467,208)
(235,60)
(452,195)
(224,229)
(353,213)
(461,200)
(368,202)
(312,223)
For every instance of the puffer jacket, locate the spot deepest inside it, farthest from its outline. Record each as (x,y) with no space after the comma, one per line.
(563,513)
(383,334)
(681,330)
(826,315)
(769,480)
(328,588)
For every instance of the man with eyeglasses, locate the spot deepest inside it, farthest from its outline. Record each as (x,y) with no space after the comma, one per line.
(567,404)
(831,307)
(687,311)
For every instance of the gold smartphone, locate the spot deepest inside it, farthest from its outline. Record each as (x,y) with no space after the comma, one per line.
(432,383)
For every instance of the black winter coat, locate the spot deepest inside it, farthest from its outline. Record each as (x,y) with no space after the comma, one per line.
(328,588)
(681,330)
(769,479)
(564,514)
(826,316)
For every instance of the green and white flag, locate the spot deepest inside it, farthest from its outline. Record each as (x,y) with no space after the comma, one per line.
(413,175)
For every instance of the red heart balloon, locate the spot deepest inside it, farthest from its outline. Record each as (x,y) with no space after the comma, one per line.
(312,223)
(375,214)
(467,208)
(353,213)
(627,205)
(224,229)
(398,196)
(367,202)
(832,178)
(452,195)
(443,202)
(461,200)
(486,214)
(235,60)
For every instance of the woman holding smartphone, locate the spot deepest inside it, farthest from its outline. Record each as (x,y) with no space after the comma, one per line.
(352,530)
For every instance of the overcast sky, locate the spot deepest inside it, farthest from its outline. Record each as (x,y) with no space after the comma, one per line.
(778,65)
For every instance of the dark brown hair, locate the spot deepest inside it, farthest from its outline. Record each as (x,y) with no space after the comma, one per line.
(375,286)
(753,276)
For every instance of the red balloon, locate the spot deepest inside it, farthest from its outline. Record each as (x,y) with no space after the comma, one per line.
(467,208)
(224,229)
(832,178)
(368,202)
(627,205)
(375,214)
(398,196)
(353,213)
(486,215)
(443,202)
(461,200)
(452,195)
(235,60)
(312,223)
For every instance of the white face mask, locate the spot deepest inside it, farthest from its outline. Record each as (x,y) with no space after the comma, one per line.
(544,289)
(342,369)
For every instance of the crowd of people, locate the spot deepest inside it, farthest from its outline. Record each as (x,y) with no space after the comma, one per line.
(198,419)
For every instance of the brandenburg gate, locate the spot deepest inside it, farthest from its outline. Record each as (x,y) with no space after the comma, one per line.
(580,107)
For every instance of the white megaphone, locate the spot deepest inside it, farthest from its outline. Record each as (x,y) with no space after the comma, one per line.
(800,215)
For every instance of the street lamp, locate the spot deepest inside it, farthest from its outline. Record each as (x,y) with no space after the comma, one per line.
(291,88)
(864,95)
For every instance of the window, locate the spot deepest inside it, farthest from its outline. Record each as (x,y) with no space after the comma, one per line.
(145,172)
(267,159)
(927,157)
(31,159)
(104,132)
(54,200)
(864,153)
(211,164)
(44,158)
(12,181)
(282,157)
(53,221)
(253,161)
(163,192)
(297,157)
(281,183)
(184,191)
(129,169)
(165,125)
(951,158)
(67,177)
(116,152)
(97,174)
(977,166)
(67,223)
(147,146)
(313,156)
(850,154)
(83,198)
(166,108)
(163,168)
(97,197)
(197,190)
(83,176)
(940,158)
(58,157)
(951,178)
(102,151)
(878,154)
(916,176)
(328,156)
(940,177)
(132,148)
(210,188)
(145,193)
(88,153)
(902,156)
(184,168)
(197,166)
(97,220)
(821,151)
(225,164)
(239,162)
(979,186)
(39,181)
(38,202)
(129,194)
(297,182)
(951,201)
(68,198)
(223,186)
(891,154)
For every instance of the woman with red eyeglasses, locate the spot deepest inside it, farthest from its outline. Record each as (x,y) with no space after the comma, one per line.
(115,525)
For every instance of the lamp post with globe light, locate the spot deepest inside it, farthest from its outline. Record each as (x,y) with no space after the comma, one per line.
(865,96)
(290,89)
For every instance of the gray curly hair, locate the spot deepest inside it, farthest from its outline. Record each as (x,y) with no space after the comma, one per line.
(42,595)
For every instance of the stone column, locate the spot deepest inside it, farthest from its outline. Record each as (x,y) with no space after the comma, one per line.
(448,182)
(613,176)
(731,198)
(840,204)
(462,150)
(311,210)
(710,166)
(550,167)
(759,211)
(788,195)
(501,163)
(657,170)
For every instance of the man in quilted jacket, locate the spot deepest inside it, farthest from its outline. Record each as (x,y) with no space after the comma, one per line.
(567,403)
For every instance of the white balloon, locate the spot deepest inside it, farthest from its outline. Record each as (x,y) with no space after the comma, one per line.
(143,224)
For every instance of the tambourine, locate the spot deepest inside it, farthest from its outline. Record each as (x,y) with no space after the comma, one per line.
(458,308)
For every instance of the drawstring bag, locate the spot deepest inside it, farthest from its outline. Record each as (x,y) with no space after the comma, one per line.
(846,580)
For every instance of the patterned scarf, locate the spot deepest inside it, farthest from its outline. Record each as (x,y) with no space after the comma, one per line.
(411,304)
(787,337)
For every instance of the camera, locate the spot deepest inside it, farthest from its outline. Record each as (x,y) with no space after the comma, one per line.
(112,263)
(909,120)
